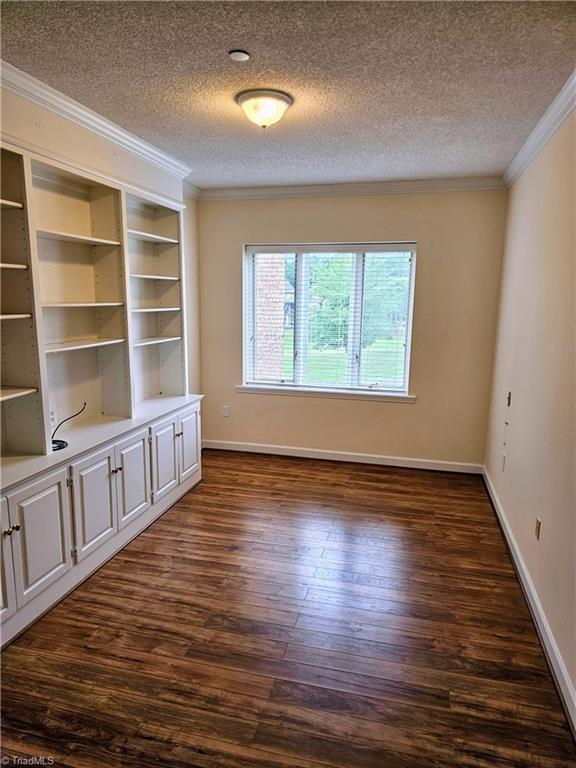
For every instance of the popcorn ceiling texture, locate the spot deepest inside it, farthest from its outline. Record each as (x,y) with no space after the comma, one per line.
(383,90)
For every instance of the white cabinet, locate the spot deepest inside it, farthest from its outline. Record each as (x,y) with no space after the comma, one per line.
(110,488)
(175,450)
(67,522)
(7,588)
(95,507)
(132,464)
(164,456)
(188,443)
(39,513)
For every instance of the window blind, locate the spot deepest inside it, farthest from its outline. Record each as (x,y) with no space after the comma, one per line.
(329,316)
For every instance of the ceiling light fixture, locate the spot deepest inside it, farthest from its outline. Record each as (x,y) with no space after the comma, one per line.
(239,55)
(264,107)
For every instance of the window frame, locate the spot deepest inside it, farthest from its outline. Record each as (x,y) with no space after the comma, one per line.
(359,249)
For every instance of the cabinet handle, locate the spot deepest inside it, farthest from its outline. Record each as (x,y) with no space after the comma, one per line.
(8,531)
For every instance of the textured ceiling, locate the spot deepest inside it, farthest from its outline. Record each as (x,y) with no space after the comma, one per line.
(383,90)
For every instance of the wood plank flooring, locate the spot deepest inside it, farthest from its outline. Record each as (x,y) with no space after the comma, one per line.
(295,613)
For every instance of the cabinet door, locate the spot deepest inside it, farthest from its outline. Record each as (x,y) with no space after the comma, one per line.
(164,457)
(41,547)
(132,457)
(7,588)
(188,443)
(95,510)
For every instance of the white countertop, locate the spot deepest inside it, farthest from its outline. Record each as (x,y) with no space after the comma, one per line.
(89,435)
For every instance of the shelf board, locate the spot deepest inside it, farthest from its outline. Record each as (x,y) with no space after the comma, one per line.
(6,265)
(66,304)
(15,317)
(150,237)
(157,309)
(70,237)
(155,277)
(11,393)
(70,346)
(155,340)
(10,205)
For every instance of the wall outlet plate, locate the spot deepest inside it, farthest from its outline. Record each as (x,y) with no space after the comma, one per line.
(225,410)
(53,416)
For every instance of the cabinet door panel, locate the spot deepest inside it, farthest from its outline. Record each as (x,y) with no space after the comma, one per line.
(7,588)
(95,512)
(189,443)
(133,481)
(164,457)
(42,547)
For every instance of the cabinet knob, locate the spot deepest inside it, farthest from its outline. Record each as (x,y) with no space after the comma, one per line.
(8,531)
(17,527)
(114,471)
(178,434)
(118,469)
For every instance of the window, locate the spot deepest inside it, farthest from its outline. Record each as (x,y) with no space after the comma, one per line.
(329,317)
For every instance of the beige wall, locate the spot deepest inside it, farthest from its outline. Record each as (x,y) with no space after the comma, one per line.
(535,360)
(191,289)
(459,237)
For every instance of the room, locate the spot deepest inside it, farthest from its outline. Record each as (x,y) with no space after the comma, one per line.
(288,399)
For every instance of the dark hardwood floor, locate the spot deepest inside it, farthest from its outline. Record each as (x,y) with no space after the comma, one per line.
(291,612)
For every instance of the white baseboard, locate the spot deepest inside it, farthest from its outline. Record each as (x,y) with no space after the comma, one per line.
(564,684)
(360,458)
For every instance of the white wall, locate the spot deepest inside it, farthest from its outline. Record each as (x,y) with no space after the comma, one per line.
(535,360)
(459,236)
(37,129)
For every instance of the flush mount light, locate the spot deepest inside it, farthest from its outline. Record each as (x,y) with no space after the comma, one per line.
(239,55)
(264,107)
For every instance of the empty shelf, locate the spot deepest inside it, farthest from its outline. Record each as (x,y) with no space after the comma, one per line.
(70,237)
(155,340)
(156,309)
(64,304)
(150,237)
(69,346)
(155,277)
(15,317)
(8,205)
(5,265)
(11,393)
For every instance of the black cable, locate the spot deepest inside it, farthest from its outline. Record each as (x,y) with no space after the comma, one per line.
(57,445)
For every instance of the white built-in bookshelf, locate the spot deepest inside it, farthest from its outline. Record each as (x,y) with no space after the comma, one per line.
(21,400)
(154,258)
(92,306)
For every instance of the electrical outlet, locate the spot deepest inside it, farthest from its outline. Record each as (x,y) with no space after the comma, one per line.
(53,416)
(225,410)
(537,528)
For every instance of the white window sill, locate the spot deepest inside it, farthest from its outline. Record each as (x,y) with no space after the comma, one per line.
(271,389)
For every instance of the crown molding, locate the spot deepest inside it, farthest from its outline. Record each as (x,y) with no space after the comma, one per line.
(561,108)
(463,184)
(27,87)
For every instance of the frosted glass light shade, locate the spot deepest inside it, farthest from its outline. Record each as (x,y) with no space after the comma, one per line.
(264,107)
